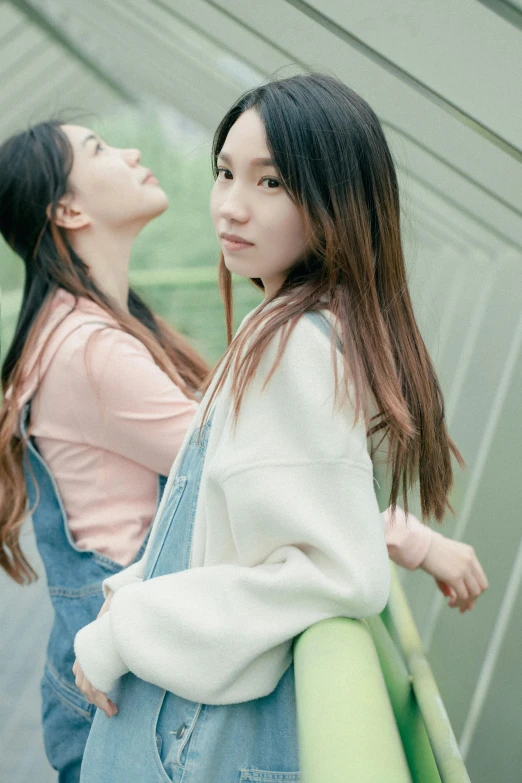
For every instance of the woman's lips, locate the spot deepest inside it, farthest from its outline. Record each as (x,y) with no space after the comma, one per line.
(150,180)
(234,243)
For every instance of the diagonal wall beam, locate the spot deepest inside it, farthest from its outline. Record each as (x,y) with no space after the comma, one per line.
(43,21)
(352,40)
(506,10)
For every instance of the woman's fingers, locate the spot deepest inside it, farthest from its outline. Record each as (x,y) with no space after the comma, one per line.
(462,597)
(78,675)
(457,571)
(445,589)
(106,604)
(480,576)
(92,695)
(466,593)
(474,590)
(102,701)
(476,582)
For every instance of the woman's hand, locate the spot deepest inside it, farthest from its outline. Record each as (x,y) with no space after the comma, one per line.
(106,604)
(98,698)
(457,571)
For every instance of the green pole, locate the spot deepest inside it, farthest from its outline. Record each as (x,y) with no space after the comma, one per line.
(438,727)
(347,731)
(406,710)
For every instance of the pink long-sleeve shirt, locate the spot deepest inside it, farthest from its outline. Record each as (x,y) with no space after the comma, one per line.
(107,420)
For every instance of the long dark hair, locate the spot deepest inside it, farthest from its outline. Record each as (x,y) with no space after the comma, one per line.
(34,171)
(333,159)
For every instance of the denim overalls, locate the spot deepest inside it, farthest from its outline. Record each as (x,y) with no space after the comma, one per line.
(158,737)
(74,580)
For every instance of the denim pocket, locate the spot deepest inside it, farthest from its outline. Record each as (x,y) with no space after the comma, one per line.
(174,726)
(265,776)
(68,694)
(65,726)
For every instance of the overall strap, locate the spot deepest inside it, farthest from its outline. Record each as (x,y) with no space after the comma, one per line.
(321,321)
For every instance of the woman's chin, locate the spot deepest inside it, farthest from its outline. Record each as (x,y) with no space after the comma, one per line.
(156,200)
(234,265)
(163,202)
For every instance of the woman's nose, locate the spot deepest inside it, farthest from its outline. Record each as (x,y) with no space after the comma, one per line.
(234,208)
(132,156)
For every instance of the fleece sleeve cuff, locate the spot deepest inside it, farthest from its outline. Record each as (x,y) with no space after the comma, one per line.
(127,576)
(98,656)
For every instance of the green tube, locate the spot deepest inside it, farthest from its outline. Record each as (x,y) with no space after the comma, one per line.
(347,731)
(438,727)
(406,710)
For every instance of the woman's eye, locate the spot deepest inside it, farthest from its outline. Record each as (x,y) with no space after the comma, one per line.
(99,147)
(270,183)
(223,173)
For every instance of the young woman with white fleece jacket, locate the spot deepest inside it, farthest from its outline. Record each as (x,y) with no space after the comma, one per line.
(269,521)
(287,532)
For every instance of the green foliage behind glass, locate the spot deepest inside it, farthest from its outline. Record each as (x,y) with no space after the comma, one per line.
(181,238)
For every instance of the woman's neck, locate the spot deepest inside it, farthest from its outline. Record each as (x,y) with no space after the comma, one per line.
(107,254)
(272,285)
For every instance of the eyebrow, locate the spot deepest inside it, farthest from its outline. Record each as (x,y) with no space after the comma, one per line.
(256,162)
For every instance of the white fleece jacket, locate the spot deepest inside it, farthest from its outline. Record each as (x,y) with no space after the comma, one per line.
(287,532)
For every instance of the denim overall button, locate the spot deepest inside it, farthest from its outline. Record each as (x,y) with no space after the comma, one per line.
(181,731)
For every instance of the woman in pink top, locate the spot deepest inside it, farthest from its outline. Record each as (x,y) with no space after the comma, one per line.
(99,393)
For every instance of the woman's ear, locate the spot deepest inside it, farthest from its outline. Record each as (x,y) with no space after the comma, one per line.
(68,216)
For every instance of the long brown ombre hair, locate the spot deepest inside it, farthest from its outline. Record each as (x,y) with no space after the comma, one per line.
(334,162)
(34,170)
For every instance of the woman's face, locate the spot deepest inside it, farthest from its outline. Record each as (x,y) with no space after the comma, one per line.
(109,185)
(259,227)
